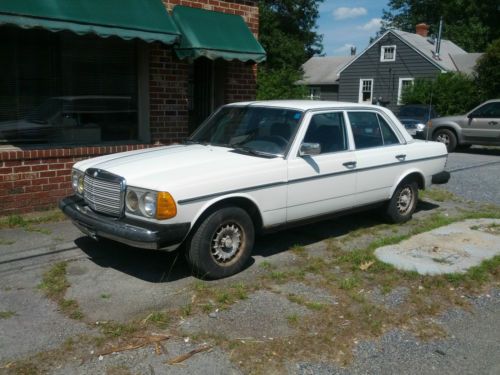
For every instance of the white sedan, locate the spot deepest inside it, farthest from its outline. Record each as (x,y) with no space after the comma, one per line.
(249,168)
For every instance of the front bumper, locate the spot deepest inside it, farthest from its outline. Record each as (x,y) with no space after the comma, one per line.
(130,232)
(441,178)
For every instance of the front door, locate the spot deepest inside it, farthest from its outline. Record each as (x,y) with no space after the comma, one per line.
(483,124)
(206,89)
(323,183)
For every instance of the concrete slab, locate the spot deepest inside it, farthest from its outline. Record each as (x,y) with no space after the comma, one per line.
(450,249)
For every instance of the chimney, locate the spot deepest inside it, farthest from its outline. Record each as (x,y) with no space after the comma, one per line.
(422,29)
(353,50)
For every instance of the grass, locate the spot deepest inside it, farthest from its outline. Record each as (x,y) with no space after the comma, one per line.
(438,195)
(159,319)
(105,296)
(54,284)
(5,242)
(7,314)
(21,221)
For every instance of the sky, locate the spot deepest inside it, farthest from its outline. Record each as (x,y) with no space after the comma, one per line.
(345,23)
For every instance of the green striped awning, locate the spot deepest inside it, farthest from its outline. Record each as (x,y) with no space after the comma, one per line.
(146,19)
(215,35)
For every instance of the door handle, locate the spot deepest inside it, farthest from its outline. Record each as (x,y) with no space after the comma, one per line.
(401,157)
(492,123)
(349,164)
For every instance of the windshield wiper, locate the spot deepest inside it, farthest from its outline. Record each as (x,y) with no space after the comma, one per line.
(193,142)
(251,151)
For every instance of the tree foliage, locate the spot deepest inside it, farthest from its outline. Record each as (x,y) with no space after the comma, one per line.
(288,33)
(472,24)
(449,93)
(488,71)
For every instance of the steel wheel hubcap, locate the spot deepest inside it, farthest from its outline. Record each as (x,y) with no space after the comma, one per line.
(443,138)
(226,243)
(405,200)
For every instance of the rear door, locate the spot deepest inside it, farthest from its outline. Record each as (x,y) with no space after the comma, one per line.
(380,156)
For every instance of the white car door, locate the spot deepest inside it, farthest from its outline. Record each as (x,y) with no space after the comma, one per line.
(322,183)
(380,156)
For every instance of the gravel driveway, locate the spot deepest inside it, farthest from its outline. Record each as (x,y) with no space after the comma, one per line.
(474,174)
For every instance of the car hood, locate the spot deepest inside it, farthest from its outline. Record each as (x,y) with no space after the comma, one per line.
(447,119)
(186,169)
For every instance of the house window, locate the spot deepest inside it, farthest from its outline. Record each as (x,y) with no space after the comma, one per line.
(365,91)
(403,84)
(315,93)
(388,53)
(67,89)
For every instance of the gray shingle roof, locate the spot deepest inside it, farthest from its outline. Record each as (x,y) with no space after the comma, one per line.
(421,44)
(465,63)
(323,70)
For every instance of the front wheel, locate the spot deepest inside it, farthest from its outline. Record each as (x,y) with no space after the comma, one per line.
(447,137)
(403,202)
(222,243)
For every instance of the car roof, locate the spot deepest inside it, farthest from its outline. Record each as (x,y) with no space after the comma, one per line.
(303,105)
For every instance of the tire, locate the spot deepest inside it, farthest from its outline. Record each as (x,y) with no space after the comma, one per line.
(403,202)
(221,245)
(447,137)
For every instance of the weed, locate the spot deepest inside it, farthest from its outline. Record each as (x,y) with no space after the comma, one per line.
(223,297)
(159,319)
(299,250)
(314,305)
(6,314)
(240,290)
(438,195)
(187,310)
(54,282)
(265,265)
(114,330)
(293,319)
(105,296)
(277,276)
(349,283)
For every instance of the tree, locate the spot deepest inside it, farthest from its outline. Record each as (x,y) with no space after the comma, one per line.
(449,93)
(472,24)
(287,31)
(488,71)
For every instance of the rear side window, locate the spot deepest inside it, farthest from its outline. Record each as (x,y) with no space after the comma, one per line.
(327,129)
(371,130)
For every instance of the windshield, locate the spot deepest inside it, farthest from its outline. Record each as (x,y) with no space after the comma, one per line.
(421,112)
(251,129)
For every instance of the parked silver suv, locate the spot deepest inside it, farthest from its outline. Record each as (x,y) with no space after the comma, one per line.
(481,126)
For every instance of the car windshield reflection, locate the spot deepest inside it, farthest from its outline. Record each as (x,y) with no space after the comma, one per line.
(259,131)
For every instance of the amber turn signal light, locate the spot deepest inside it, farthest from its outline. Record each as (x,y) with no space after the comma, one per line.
(165,206)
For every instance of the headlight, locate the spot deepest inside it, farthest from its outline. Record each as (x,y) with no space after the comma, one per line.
(160,205)
(77,181)
(147,204)
(132,201)
(420,127)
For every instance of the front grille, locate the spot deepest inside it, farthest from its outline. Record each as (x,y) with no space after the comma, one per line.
(104,192)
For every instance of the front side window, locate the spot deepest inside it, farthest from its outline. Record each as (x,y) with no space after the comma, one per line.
(388,53)
(490,110)
(65,88)
(253,129)
(315,93)
(327,129)
(369,129)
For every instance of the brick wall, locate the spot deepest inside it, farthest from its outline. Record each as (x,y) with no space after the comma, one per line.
(33,180)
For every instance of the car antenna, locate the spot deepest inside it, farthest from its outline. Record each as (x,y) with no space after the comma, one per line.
(428,118)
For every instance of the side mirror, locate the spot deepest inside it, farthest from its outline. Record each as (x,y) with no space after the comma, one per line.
(309,149)
(471,115)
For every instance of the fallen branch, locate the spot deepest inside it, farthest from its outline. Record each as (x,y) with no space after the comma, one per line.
(153,339)
(183,357)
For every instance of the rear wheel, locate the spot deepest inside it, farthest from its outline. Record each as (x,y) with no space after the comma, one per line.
(447,137)
(403,202)
(222,244)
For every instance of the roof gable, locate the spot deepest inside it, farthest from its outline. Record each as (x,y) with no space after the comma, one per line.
(422,46)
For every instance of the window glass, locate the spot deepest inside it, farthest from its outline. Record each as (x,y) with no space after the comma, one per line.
(327,129)
(366,130)
(387,132)
(488,110)
(388,53)
(66,88)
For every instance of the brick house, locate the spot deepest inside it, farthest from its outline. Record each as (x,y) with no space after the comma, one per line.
(88,78)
